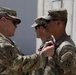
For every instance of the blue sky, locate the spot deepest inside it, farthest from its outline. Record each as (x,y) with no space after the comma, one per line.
(25,35)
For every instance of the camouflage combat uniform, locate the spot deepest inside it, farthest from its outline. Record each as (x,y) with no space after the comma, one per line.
(13,62)
(45,70)
(63,61)
(65,56)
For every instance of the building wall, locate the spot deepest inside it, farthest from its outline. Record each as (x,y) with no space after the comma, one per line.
(45,5)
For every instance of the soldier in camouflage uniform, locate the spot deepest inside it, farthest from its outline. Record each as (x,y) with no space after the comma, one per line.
(41,30)
(64,60)
(12,61)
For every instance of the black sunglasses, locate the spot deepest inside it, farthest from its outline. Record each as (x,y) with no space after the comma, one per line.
(13,21)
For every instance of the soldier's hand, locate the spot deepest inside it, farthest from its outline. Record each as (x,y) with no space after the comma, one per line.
(48,49)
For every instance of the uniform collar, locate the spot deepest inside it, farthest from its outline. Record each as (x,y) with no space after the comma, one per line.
(59,41)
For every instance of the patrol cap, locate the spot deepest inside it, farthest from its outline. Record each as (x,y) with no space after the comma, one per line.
(10,13)
(58,13)
(42,20)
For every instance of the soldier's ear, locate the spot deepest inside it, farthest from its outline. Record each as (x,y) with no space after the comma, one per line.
(3,19)
(58,22)
(42,28)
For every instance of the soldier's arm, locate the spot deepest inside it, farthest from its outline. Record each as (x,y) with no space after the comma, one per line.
(67,59)
(30,62)
(21,63)
(35,61)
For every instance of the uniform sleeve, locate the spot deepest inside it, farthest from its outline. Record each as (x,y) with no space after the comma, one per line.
(17,63)
(30,62)
(67,58)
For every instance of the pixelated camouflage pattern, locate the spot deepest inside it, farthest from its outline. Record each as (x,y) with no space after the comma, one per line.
(13,62)
(65,57)
(64,60)
(47,69)
(4,11)
(58,13)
